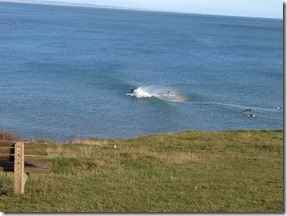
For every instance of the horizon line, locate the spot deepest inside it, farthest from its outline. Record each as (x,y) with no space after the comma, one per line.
(91,5)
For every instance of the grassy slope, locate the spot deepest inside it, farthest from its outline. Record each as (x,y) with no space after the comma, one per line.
(233,171)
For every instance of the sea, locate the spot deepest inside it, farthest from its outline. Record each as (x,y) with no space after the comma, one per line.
(67,71)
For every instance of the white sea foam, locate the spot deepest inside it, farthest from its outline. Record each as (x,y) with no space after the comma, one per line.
(160,93)
(141,93)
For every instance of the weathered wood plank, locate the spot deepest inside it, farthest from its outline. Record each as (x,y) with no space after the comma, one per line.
(27,145)
(28,168)
(7,143)
(28,158)
(7,169)
(36,160)
(9,150)
(6,150)
(35,146)
(6,166)
(38,168)
(30,149)
(36,151)
(6,157)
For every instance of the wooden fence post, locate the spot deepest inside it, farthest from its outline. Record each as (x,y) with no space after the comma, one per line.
(20,177)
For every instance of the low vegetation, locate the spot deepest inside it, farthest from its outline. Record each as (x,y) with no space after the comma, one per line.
(8,135)
(229,171)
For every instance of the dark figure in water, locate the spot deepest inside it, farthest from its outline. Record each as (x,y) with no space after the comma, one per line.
(245,110)
(131,91)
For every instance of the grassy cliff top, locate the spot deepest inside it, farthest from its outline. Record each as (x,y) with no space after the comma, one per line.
(228,171)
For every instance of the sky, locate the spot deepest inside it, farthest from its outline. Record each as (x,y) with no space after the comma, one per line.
(246,8)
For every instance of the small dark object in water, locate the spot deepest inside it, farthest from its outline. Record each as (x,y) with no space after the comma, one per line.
(251,115)
(245,110)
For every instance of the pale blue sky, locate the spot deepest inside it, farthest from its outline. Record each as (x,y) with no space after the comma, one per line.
(250,8)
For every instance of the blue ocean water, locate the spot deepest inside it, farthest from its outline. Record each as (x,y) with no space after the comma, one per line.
(65,71)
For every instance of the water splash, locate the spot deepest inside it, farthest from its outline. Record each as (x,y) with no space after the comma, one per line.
(141,93)
(166,94)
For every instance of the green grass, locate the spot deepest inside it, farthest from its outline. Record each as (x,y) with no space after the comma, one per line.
(230,171)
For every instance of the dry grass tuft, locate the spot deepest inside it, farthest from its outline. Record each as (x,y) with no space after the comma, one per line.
(8,135)
(91,142)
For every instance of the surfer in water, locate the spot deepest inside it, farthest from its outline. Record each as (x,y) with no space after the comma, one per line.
(245,110)
(132,90)
(251,115)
